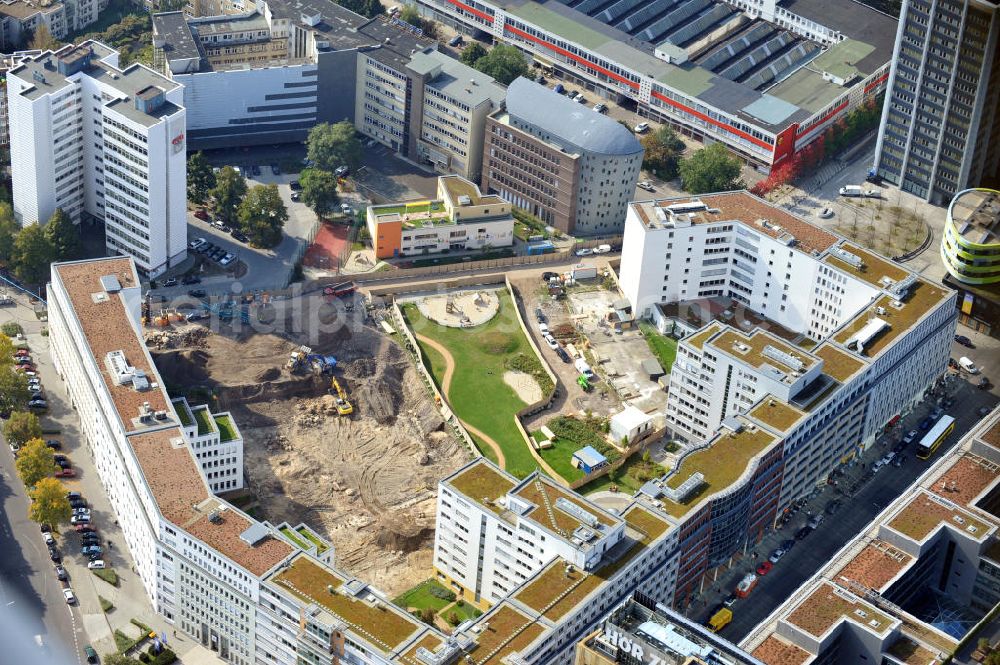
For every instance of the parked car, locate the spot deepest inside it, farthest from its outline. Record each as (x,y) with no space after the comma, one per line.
(197,293)
(37,403)
(455,41)
(191,279)
(984,384)
(81,511)
(579,98)
(776,555)
(53,444)
(69,596)
(219,224)
(926,423)
(601,107)
(584,252)
(61,574)
(539,315)
(295,185)
(788,544)
(48,538)
(65,473)
(647,185)
(240,236)
(548,275)
(91,549)
(55,556)
(964,341)
(275,170)
(201,214)
(802,533)
(196,243)
(559,88)
(937,413)
(342,171)
(764,568)
(89,652)
(97,564)
(168,282)
(968,365)
(642,128)
(84,528)
(952,363)
(204,249)
(44,528)
(551,341)
(825,213)
(295,196)
(73,495)
(197,315)
(910,437)
(563,355)
(833,507)
(814,521)
(227,259)
(22,360)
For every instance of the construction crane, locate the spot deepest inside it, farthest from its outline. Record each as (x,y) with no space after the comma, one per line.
(344,407)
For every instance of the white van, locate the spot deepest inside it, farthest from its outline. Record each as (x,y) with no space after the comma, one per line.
(851,190)
(968,365)
(602,249)
(583,368)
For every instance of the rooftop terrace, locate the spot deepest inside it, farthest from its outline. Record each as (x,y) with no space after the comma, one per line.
(922,299)
(413,215)
(698,339)
(776,414)
(540,490)
(966,479)
(721,463)
(924,513)
(827,605)
(875,566)
(976,214)
(874,267)
(775,651)
(556,591)
(837,364)
(911,653)
(483,483)
(506,630)
(377,621)
(751,349)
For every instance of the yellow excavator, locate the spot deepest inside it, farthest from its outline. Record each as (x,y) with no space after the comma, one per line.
(344,407)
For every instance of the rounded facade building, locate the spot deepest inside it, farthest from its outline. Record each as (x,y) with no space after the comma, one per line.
(970,246)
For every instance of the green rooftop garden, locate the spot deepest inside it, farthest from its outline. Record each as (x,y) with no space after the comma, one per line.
(227,430)
(309,535)
(292,535)
(204,420)
(183,413)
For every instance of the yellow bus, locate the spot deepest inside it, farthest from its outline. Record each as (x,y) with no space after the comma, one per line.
(942,428)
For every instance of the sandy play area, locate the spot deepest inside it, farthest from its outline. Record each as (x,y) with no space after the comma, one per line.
(524,385)
(461,309)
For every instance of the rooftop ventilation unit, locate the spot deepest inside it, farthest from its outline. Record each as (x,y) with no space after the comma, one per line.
(110,284)
(215,517)
(783,357)
(255,533)
(139,380)
(687,487)
(852,260)
(576,512)
(691,206)
(859,339)
(464,200)
(145,412)
(903,286)
(119,369)
(584,534)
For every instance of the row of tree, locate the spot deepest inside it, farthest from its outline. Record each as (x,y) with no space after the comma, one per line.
(503,62)
(28,251)
(257,211)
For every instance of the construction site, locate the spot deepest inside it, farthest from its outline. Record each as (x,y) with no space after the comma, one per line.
(340,432)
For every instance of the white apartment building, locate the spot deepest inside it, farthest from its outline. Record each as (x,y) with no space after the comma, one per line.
(100,141)
(451,102)
(19,19)
(217,442)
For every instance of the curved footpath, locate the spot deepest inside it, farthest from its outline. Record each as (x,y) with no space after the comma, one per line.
(449,371)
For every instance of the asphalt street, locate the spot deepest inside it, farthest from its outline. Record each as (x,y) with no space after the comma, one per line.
(29,589)
(808,555)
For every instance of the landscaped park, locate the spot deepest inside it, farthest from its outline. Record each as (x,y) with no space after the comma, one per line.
(488,372)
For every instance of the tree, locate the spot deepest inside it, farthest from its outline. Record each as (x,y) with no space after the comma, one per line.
(263,215)
(413,17)
(710,169)
(504,63)
(472,53)
(34,462)
(230,188)
(32,254)
(22,427)
(14,391)
(64,236)
(8,231)
(331,146)
(200,178)
(663,152)
(319,190)
(42,39)
(49,504)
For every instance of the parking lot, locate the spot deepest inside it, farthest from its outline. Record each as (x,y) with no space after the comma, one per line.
(862,495)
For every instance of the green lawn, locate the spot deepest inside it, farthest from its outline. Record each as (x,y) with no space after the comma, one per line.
(623,477)
(662,346)
(465,612)
(559,457)
(421,597)
(227,431)
(478,394)
(204,419)
(294,536)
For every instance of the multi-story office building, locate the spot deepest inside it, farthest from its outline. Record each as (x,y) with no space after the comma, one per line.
(460,218)
(93,139)
(450,104)
(235,585)
(908,588)
(763,77)
(642,631)
(272,73)
(20,19)
(565,163)
(970,251)
(940,129)
(797,348)
(217,444)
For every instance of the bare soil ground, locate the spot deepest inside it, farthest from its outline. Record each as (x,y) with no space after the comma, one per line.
(368,482)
